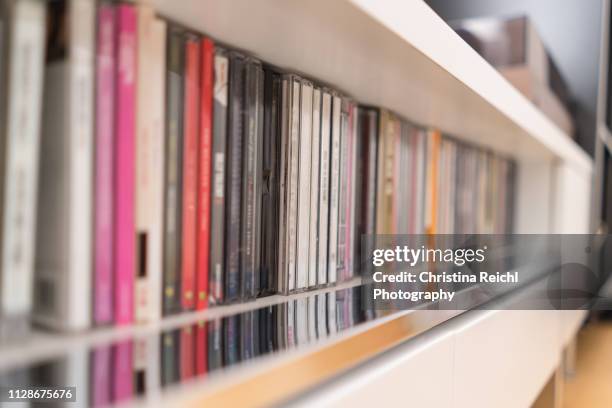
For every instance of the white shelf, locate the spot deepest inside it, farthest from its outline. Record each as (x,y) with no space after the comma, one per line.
(396,54)
(44,345)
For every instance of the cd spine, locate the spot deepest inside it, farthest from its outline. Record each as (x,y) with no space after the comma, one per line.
(283,186)
(369,122)
(293,187)
(217,217)
(149,164)
(81,110)
(103,227)
(63,235)
(386,171)
(353,201)
(124,252)
(315,169)
(346,192)
(251,181)
(414,174)
(324,183)
(431,205)
(234,177)
(155,243)
(303,196)
(270,206)
(334,191)
(172,189)
(204,176)
(343,187)
(190,170)
(421,178)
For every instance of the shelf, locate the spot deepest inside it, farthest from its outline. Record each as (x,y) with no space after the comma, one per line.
(280,377)
(302,368)
(298,368)
(389,53)
(44,345)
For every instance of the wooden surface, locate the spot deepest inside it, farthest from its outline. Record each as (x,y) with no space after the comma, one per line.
(592,385)
(546,399)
